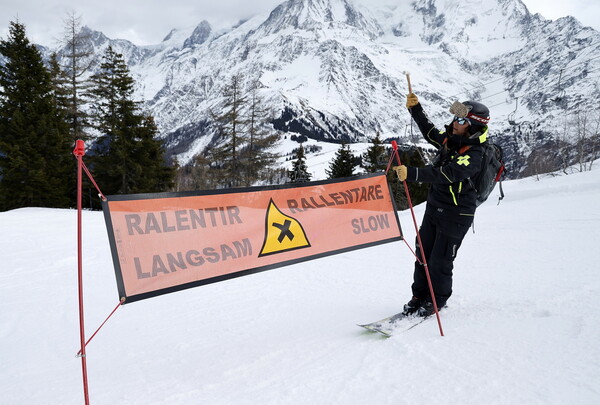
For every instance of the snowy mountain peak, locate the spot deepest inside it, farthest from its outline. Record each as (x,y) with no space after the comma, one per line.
(94,36)
(170,35)
(333,70)
(319,14)
(199,36)
(472,29)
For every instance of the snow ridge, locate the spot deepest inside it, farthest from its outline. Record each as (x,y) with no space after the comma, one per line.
(333,70)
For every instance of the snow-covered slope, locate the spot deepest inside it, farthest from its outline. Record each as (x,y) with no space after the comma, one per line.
(521,327)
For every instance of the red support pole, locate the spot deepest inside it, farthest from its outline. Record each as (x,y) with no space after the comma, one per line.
(424,260)
(79,151)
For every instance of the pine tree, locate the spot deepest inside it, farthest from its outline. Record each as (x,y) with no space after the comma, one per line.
(60,86)
(375,158)
(150,154)
(226,160)
(299,172)
(128,157)
(202,175)
(36,163)
(343,163)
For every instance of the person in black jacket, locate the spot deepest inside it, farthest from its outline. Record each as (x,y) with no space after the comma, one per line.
(451,201)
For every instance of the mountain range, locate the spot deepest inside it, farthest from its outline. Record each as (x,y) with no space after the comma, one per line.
(334,70)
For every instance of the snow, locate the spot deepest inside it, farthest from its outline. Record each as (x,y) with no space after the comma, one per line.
(342,63)
(317,162)
(520,328)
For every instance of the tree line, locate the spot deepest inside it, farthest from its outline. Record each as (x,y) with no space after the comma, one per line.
(374,160)
(46,105)
(241,150)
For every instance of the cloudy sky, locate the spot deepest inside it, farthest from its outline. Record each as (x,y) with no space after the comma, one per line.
(146,22)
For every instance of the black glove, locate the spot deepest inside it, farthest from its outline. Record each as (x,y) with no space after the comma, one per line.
(449,129)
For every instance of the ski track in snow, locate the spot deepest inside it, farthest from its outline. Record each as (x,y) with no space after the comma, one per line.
(520,327)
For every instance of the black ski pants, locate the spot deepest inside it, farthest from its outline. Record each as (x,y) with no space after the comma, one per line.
(441,236)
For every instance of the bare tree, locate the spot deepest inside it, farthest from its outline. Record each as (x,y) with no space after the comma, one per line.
(594,138)
(564,145)
(587,124)
(79,54)
(230,138)
(258,158)
(580,129)
(577,142)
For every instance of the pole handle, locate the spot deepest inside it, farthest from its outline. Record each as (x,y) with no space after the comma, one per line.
(408,80)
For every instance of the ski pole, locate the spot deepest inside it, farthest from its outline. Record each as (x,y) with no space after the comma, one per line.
(79,152)
(408,80)
(423,259)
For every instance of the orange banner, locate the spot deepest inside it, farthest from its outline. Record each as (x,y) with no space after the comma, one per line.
(170,241)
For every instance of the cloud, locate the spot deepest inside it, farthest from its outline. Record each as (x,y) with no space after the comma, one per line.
(146,22)
(142,22)
(586,11)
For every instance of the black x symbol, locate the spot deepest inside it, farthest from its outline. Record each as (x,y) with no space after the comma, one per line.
(285,230)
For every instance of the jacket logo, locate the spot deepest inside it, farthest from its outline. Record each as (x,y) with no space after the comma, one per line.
(463,160)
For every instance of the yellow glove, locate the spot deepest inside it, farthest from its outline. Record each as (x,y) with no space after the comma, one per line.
(401,171)
(411,100)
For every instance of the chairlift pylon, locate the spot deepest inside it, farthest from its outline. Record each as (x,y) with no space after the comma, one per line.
(511,116)
(561,91)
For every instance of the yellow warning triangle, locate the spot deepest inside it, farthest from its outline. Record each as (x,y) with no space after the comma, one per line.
(282,233)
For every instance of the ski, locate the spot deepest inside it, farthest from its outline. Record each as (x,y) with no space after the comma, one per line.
(394,324)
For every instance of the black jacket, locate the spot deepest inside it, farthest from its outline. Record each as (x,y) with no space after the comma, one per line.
(458,160)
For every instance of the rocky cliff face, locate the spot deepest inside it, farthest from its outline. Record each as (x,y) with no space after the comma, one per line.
(333,70)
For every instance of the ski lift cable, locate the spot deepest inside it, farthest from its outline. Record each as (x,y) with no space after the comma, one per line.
(530,68)
(495,105)
(495,94)
(581,63)
(503,91)
(543,87)
(540,88)
(476,87)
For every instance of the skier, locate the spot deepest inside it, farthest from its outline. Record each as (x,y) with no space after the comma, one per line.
(451,201)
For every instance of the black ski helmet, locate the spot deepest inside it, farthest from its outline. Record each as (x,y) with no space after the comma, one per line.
(479,114)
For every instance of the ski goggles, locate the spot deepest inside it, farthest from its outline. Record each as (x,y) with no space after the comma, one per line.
(462,121)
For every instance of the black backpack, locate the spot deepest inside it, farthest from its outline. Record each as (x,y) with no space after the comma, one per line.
(492,170)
